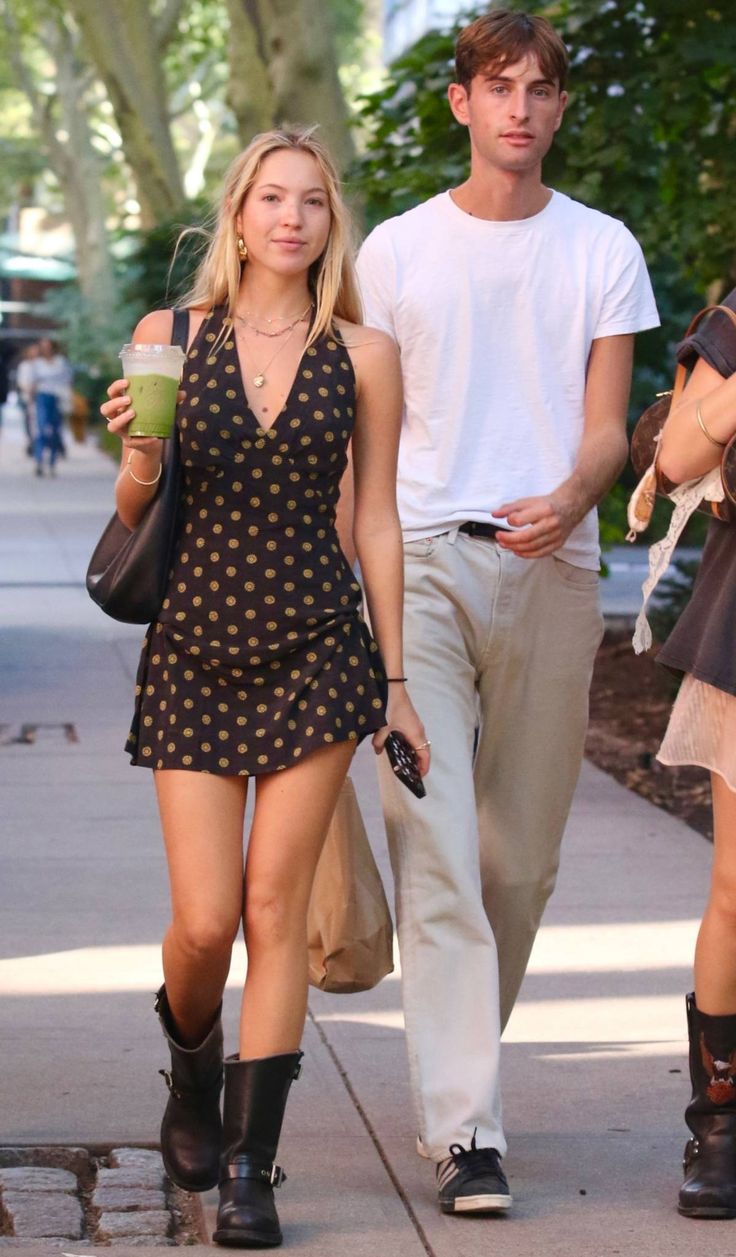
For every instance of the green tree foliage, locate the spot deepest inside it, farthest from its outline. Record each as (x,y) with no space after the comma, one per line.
(649,134)
(160,263)
(654,125)
(413,148)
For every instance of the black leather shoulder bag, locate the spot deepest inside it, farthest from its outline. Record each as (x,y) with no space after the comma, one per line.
(128,571)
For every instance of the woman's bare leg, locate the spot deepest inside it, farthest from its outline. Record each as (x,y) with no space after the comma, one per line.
(202,820)
(715,953)
(292,814)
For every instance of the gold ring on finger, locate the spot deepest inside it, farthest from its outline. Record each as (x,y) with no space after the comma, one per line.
(422,746)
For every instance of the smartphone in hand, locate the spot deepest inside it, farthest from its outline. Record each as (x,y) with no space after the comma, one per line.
(403,759)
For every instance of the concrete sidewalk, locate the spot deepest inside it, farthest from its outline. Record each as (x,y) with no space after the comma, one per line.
(594,1057)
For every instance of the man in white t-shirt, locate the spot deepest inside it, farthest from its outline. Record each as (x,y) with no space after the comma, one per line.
(514,308)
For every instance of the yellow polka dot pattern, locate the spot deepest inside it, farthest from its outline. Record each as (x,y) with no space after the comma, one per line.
(260,654)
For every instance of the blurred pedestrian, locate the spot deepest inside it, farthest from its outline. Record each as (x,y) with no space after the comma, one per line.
(51,381)
(702,730)
(24,386)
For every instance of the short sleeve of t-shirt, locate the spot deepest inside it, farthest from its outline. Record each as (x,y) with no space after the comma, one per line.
(628,293)
(376,267)
(714,340)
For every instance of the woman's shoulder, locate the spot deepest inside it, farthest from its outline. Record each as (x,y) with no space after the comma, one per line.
(371,340)
(155,328)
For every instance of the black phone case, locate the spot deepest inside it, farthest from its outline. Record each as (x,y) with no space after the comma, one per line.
(402,758)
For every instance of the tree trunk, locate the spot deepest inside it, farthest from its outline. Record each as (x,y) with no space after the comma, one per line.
(285,70)
(249,91)
(73,159)
(126,50)
(79,172)
(302,63)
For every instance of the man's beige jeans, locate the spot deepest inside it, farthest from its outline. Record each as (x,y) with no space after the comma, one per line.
(499,654)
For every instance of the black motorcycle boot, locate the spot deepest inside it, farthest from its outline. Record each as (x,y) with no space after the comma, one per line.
(191,1130)
(709,1162)
(255,1099)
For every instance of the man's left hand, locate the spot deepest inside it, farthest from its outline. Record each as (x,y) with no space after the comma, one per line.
(544,524)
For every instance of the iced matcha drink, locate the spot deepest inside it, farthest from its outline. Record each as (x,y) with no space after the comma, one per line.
(153,373)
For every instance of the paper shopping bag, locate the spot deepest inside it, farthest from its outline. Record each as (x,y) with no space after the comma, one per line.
(349,927)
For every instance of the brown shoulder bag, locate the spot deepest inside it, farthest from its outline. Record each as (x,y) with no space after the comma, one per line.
(645,443)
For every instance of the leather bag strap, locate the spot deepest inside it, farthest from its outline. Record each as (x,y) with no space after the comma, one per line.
(180,329)
(682,371)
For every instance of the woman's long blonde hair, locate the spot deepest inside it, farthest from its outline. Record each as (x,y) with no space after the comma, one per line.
(332,278)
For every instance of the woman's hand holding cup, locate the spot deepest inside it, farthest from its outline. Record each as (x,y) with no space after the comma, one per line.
(119,413)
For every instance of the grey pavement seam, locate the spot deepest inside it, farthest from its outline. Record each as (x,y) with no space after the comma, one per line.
(370,1130)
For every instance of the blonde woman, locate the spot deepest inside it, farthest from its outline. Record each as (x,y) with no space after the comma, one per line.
(260,664)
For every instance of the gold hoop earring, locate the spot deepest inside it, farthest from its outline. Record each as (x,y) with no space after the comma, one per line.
(242,249)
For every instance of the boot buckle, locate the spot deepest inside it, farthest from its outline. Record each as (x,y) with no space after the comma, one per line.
(169,1080)
(692,1151)
(247,1167)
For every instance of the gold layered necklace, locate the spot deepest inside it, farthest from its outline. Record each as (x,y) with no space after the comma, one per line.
(259,379)
(276,318)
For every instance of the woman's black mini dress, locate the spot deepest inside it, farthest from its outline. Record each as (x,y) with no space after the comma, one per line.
(260,654)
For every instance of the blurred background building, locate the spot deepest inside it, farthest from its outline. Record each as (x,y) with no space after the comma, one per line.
(405,21)
(34,259)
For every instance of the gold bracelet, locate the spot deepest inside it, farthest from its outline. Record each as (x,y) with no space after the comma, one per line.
(147,483)
(721,444)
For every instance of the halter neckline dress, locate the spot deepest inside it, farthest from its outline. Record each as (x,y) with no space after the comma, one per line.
(260,654)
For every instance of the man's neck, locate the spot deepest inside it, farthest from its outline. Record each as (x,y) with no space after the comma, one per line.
(500,196)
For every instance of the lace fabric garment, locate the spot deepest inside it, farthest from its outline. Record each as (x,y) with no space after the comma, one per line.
(702,730)
(686,498)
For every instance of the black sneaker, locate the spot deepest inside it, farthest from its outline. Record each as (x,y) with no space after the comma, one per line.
(473,1181)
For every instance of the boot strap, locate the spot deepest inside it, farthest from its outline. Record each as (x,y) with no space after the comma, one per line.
(248,1167)
(722,1145)
(189,1093)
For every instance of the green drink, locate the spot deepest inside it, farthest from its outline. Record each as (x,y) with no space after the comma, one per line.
(153,373)
(153,398)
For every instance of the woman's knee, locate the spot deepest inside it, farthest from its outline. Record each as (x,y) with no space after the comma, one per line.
(204,937)
(272,915)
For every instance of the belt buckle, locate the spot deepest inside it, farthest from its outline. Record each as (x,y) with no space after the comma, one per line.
(474,528)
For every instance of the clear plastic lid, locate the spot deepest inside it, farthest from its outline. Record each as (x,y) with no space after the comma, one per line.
(153,352)
(153,360)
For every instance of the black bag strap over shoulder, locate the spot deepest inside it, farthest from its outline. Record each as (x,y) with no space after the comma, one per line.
(129,571)
(180,329)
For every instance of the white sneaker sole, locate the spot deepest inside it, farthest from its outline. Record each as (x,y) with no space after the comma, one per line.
(479,1204)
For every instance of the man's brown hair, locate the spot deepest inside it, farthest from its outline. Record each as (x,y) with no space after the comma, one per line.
(502,38)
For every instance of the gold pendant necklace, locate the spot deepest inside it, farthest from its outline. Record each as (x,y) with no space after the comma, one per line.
(259,379)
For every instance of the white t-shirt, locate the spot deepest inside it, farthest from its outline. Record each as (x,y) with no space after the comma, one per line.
(52,375)
(495,321)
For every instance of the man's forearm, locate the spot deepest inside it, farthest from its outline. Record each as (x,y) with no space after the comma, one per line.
(600,461)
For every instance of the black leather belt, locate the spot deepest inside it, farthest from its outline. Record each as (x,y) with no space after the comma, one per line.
(474,528)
